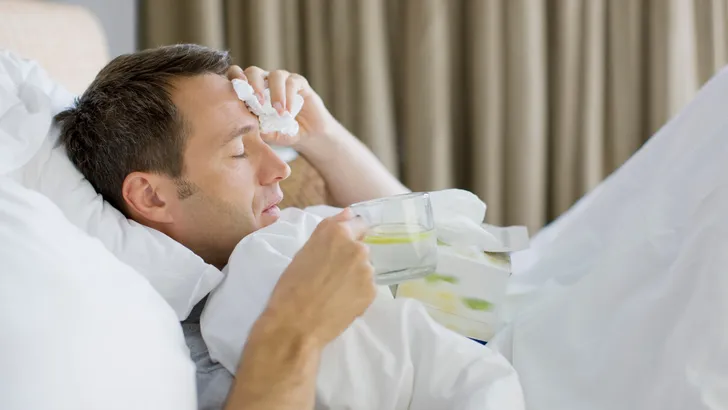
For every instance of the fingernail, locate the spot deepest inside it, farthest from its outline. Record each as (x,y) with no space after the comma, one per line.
(279,107)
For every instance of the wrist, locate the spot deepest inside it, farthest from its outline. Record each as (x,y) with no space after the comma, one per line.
(324,143)
(277,369)
(276,326)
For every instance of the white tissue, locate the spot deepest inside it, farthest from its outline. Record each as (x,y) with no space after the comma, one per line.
(459,219)
(270,120)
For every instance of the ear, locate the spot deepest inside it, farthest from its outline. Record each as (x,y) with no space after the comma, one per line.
(146,196)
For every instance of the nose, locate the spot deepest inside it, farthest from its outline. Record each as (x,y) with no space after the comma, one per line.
(271,168)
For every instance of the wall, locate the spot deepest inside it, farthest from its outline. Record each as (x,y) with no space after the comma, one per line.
(119,19)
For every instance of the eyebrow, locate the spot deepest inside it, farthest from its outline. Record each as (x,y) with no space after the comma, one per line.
(245,129)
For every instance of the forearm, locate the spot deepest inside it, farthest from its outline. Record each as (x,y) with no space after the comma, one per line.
(277,370)
(351,171)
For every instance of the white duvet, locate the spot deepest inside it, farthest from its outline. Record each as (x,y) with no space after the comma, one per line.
(393,357)
(624,300)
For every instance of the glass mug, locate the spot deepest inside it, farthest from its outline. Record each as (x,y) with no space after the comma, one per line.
(401,236)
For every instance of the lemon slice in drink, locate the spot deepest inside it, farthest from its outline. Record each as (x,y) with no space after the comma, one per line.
(396,234)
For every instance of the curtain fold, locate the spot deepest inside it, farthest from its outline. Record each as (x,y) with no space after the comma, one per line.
(372,106)
(486,101)
(528,103)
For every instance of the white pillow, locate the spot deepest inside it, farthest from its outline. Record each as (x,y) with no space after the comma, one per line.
(26,95)
(80,329)
(28,153)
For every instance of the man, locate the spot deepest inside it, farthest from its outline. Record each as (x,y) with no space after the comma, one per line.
(163,137)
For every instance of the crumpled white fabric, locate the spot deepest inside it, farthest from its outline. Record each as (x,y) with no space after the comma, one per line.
(621,303)
(393,357)
(28,100)
(270,119)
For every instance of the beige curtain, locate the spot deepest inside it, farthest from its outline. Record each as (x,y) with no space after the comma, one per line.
(528,103)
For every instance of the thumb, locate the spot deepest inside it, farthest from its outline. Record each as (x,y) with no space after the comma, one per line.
(345,215)
(358,227)
(356,224)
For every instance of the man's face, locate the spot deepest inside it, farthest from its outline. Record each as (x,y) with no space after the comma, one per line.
(231,173)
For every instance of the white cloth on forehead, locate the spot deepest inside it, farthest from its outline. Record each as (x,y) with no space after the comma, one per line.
(270,119)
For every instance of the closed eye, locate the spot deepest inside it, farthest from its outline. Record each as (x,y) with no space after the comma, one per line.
(243,155)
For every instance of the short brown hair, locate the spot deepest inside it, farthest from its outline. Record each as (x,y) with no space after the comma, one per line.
(126,120)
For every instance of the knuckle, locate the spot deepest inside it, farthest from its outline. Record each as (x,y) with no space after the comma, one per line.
(339,230)
(369,291)
(296,79)
(279,73)
(358,257)
(235,70)
(361,249)
(254,70)
(300,80)
(367,276)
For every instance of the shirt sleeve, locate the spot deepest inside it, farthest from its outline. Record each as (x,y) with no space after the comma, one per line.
(213,380)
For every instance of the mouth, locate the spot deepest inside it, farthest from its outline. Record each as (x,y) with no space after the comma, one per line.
(272,207)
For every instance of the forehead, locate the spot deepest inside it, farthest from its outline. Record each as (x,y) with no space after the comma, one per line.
(210,107)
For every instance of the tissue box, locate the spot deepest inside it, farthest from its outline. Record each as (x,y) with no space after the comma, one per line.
(465,291)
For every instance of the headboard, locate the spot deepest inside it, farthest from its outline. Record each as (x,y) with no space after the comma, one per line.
(66,40)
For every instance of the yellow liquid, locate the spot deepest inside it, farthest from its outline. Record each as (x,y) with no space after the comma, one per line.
(401,251)
(392,234)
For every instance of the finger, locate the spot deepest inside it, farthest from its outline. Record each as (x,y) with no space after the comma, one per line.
(236,72)
(256,78)
(294,84)
(358,227)
(277,85)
